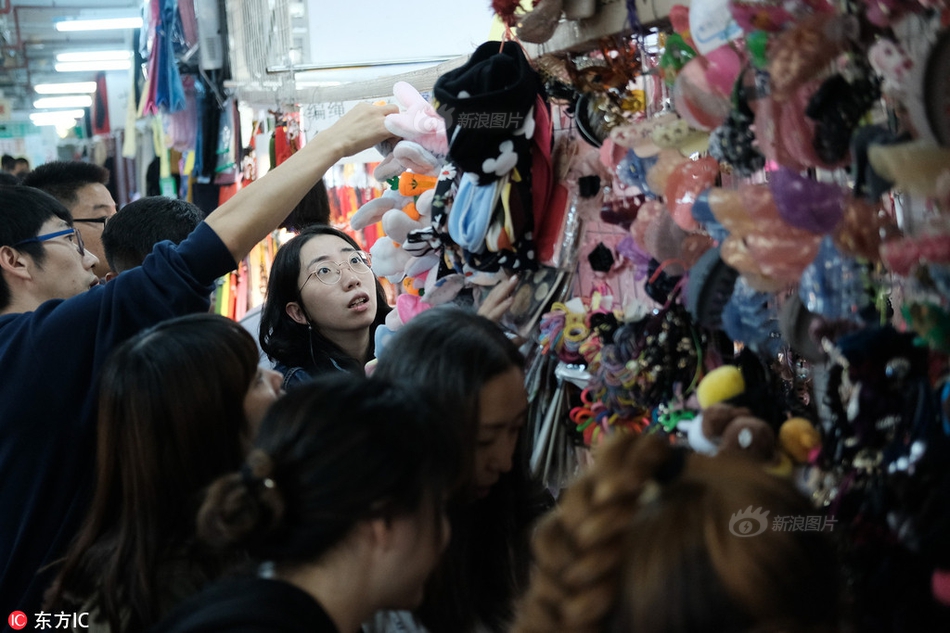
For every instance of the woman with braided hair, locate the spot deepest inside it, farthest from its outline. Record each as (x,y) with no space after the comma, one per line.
(653,540)
(340,503)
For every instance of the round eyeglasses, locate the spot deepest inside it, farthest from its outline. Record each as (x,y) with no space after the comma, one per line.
(330,273)
(71,231)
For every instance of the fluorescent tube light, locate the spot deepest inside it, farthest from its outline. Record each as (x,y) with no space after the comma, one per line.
(71,101)
(99,25)
(60,118)
(68,67)
(93,56)
(65,88)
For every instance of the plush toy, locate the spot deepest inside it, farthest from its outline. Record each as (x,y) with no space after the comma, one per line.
(372,212)
(799,439)
(424,145)
(419,122)
(729,430)
(720,384)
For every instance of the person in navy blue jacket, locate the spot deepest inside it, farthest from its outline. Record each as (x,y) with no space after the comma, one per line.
(57,326)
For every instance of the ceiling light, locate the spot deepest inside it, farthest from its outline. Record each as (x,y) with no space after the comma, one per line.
(93,56)
(63,117)
(67,67)
(72,101)
(65,88)
(99,25)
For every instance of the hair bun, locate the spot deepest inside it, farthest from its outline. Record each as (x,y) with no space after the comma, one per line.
(241,507)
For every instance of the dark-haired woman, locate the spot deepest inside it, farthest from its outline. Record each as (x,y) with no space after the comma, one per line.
(474,375)
(178,406)
(323,306)
(341,500)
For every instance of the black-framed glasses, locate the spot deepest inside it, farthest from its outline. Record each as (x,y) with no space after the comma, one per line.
(101,220)
(49,236)
(330,273)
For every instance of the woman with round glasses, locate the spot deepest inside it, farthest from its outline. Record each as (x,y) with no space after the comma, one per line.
(323,306)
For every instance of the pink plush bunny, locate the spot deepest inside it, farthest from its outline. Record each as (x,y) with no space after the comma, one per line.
(419,122)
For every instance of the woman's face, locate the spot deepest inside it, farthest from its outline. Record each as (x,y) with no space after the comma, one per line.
(341,307)
(503,409)
(264,390)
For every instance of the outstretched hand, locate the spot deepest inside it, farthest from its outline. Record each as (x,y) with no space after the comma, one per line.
(359,129)
(499,300)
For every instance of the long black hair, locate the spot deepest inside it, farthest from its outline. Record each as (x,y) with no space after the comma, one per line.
(299,345)
(449,354)
(171,420)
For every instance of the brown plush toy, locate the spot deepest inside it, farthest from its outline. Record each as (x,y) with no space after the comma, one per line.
(737,431)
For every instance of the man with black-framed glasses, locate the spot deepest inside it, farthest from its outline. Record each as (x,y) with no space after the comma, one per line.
(81,187)
(57,328)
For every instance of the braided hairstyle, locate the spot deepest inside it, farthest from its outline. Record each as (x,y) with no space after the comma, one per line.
(645,542)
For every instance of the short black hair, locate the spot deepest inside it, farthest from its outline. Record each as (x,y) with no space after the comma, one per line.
(7,162)
(23,211)
(63,178)
(133,232)
(313,209)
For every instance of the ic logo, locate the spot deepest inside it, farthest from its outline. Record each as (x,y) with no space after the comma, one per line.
(749,522)
(18,620)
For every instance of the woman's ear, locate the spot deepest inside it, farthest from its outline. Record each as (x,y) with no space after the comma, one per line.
(296,312)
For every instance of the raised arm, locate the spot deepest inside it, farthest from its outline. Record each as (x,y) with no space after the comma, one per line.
(259,208)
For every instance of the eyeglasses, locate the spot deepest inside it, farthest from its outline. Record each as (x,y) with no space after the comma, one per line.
(330,273)
(48,236)
(101,220)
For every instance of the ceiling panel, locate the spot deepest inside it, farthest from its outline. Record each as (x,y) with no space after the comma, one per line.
(30,42)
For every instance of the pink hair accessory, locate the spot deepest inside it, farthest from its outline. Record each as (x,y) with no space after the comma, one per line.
(409,306)
(684,184)
(785,133)
(902,255)
(723,70)
(696,100)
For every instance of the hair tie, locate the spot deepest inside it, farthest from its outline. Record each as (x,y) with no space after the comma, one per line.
(672,467)
(256,470)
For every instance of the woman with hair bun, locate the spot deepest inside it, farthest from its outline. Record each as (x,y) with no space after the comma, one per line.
(340,501)
(652,540)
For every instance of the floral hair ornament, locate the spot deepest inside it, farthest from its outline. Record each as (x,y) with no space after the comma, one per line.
(863,225)
(832,286)
(806,203)
(801,52)
(684,184)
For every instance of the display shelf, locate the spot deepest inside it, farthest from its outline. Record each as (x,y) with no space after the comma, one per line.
(574,35)
(610,19)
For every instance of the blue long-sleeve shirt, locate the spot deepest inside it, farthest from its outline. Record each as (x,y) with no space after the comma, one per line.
(50,360)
